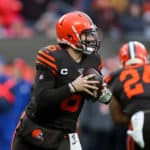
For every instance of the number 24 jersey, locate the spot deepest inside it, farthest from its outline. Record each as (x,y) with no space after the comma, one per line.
(131,87)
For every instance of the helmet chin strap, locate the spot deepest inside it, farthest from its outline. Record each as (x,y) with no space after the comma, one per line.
(89,50)
(85,50)
(133,61)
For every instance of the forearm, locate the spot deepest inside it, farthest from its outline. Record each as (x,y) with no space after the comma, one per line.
(52,96)
(121,119)
(118,115)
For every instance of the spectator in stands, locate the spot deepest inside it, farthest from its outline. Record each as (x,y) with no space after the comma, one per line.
(22,88)
(33,9)
(19,29)
(119,6)
(84,5)
(3,76)
(12,24)
(103,14)
(46,22)
(9,11)
(14,96)
(7,100)
(131,22)
(146,18)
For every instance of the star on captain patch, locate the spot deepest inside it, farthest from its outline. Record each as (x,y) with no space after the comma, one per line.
(41,77)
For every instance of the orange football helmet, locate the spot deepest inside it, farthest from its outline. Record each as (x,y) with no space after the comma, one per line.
(70,27)
(133,52)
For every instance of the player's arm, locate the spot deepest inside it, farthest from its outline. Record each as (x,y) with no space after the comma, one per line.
(105,94)
(116,111)
(46,74)
(44,90)
(47,94)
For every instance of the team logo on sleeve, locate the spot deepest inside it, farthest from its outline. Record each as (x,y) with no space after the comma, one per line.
(38,134)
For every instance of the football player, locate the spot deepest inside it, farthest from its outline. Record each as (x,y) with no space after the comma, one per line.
(49,121)
(130,86)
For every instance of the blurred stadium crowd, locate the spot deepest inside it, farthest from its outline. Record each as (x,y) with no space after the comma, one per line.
(15,87)
(27,18)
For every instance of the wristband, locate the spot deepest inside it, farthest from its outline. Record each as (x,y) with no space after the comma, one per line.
(106,96)
(72,89)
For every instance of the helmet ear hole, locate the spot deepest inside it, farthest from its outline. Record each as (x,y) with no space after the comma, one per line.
(70,36)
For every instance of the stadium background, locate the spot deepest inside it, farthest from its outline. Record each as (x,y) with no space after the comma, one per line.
(27,48)
(120,21)
(27,25)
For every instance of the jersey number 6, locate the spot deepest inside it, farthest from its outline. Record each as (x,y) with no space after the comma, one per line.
(71,104)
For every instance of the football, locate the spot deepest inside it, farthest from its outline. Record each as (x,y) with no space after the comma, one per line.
(98,77)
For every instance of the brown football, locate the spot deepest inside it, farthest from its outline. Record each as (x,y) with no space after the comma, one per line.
(98,77)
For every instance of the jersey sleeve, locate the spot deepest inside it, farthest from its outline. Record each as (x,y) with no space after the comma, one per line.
(45,58)
(44,90)
(113,83)
(110,78)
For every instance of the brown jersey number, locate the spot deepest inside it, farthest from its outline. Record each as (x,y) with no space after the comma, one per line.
(134,86)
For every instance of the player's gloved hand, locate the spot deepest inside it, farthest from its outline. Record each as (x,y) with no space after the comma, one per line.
(106,95)
(84,84)
(137,122)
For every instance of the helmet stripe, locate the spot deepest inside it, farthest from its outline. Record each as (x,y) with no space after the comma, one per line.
(132,50)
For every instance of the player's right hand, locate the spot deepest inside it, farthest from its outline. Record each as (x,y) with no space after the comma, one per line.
(86,84)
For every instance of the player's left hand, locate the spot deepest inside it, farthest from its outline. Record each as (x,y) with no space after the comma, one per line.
(85,84)
(105,95)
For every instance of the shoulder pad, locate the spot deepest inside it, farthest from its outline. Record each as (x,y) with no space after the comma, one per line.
(112,76)
(52,48)
(46,58)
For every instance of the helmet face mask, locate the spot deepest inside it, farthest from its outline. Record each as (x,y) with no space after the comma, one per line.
(133,52)
(72,27)
(89,41)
